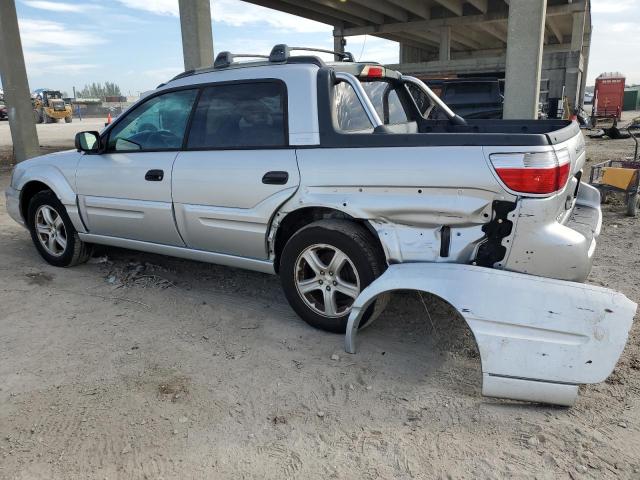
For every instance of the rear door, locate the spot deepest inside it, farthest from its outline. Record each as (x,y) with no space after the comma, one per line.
(237,168)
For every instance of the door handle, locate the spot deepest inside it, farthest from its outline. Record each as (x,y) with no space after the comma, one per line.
(154,175)
(275,178)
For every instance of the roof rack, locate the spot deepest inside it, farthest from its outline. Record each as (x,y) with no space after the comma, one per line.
(225,59)
(279,54)
(282,52)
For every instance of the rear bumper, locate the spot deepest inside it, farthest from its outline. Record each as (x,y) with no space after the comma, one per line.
(538,338)
(562,248)
(12,197)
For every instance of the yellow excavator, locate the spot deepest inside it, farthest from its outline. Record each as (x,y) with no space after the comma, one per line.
(49,107)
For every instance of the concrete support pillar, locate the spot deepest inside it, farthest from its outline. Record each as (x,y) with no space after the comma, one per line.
(525,40)
(574,77)
(339,43)
(411,54)
(577,33)
(197,35)
(17,95)
(586,51)
(445,44)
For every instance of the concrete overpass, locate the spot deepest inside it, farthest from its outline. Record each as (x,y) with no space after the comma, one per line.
(524,41)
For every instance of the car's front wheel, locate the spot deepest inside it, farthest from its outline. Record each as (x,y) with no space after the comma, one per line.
(323,269)
(52,232)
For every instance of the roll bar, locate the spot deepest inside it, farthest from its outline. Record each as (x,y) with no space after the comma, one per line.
(369,109)
(453,117)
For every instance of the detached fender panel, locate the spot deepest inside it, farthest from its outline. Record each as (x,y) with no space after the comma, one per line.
(534,334)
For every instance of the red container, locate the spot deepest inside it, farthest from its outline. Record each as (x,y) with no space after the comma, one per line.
(609,95)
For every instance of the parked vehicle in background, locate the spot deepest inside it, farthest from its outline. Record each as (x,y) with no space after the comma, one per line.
(470,97)
(49,107)
(325,174)
(3,112)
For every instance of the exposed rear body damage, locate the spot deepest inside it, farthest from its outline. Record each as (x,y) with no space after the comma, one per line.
(530,349)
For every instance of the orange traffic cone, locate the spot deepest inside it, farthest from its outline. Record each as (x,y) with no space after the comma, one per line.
(109,119)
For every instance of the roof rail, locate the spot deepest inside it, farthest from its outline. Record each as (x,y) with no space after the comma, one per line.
(282,52)
(225,59)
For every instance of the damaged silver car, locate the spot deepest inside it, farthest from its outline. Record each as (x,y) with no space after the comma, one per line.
(335,175)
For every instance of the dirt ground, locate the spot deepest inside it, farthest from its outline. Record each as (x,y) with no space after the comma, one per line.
(142,366)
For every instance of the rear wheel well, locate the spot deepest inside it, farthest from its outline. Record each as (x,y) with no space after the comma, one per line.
(28,192)
(298,219)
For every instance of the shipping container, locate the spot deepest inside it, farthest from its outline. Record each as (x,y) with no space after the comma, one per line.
(609,95)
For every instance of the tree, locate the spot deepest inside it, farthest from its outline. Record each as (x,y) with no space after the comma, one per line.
(98,90)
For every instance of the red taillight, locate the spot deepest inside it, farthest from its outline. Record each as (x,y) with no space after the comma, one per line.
(535,173)
(372,71)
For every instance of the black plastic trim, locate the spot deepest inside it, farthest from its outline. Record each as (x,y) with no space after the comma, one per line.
(492,250)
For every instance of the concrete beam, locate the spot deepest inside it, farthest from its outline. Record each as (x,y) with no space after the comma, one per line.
(525,40)
(417,7)
(16,86)
(197,35)
(482,5)
(310,11)
(493,29)
(445,44)
(352,9)
(454,6)
(389,9)
(555,28)
(436,23)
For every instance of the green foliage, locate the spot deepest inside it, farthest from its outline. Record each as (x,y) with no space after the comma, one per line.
(99,90)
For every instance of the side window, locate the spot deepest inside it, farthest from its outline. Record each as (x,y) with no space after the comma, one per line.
(422,101)
(157,124)
(386,102)
(350,114)
(247,115)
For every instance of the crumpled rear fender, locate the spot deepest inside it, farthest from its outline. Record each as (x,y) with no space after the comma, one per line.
(538,338)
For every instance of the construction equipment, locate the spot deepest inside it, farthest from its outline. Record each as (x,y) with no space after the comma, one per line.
(619,176)
(49,107)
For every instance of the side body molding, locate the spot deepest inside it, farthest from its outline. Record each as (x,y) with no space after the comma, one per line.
(538,338)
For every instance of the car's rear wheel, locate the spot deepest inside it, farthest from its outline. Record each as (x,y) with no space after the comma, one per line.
(52,232)
(324,267)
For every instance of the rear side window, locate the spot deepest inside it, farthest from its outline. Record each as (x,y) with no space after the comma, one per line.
(386,102)
(247,115)
(351,115)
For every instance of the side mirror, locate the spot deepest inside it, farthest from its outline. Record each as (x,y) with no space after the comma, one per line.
(88,142)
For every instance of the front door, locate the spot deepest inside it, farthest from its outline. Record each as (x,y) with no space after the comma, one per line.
(125,192)
(236,170)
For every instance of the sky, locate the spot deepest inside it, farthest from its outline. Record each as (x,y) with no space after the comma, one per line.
(137,43)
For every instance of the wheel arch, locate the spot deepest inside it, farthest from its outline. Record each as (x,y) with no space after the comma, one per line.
(29,190)
(47,177)
(285,226)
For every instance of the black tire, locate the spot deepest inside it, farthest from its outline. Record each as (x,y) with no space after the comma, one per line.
(76,251)
(68,119)
(632,204)
(357,244)
(37,117)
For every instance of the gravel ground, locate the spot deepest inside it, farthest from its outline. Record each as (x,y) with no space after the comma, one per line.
(144,366)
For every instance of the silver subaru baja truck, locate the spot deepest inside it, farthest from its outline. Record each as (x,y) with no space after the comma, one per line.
(335,177)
